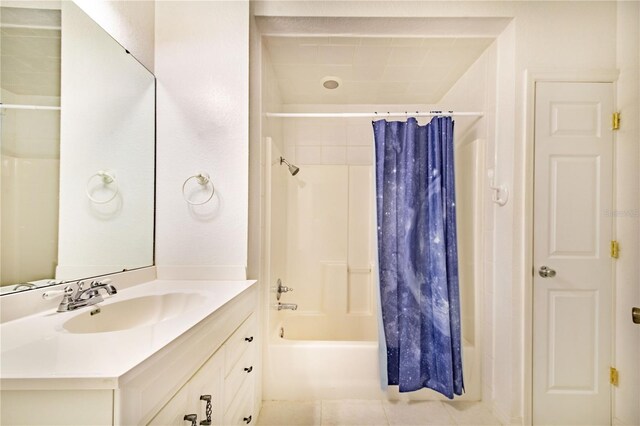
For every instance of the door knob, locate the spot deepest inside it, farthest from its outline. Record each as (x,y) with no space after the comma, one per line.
(546,272)
(635,314)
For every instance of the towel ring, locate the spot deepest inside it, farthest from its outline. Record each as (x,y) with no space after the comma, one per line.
(203,179)
(107,177)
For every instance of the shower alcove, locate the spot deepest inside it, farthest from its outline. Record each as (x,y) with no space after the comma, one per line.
(319,225)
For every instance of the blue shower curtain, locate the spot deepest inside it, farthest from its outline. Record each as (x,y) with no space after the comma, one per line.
(417,255)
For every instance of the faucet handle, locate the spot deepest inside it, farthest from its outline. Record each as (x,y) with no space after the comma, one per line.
(280,288)
(48,295)
(103,282)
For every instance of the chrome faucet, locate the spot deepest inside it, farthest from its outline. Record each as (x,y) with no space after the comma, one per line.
(292,306)
(74,299)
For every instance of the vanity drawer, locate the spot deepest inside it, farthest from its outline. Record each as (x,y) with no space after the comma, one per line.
(243,371)
(239,342)
(208,380)
(241,410)
(173,413)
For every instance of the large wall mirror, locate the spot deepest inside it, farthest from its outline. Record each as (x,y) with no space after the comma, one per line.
(77,120)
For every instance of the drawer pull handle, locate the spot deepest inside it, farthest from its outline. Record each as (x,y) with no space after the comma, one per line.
(249,369)
(248,339)
(208,410)
(247,419)
(193,418)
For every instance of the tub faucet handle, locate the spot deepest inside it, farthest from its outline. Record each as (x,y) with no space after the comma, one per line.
(283,288)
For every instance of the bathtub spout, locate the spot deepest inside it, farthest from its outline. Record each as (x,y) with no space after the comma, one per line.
(292,306)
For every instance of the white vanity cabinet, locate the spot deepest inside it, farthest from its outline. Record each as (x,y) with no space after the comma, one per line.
(227,377)
(210,359)
(216,356)
(208,381)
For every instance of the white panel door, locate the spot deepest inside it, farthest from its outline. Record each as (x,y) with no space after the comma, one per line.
(572,234)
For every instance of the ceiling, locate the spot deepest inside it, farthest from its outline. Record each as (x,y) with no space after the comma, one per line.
(371,70)
(30,51)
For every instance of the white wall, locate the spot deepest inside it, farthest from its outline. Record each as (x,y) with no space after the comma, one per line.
(202,66)
(107,123)
(545,35)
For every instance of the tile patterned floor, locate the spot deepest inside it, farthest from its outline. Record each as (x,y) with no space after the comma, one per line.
(361,413)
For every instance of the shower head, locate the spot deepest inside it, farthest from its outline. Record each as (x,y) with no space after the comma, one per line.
(292,169)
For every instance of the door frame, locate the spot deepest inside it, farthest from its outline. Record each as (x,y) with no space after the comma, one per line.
(532,77)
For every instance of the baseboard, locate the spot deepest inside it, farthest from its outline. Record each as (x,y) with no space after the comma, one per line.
(216,272)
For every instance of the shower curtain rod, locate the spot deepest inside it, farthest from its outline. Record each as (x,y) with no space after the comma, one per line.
(42,107)
(372,114)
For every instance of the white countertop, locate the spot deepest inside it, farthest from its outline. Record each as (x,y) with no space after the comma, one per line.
(37,347)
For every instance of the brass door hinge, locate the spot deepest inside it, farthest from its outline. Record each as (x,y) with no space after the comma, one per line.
(615,249)
(615,121)
(613,376)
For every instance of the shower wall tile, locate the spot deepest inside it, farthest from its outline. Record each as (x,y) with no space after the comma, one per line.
(290,132)
(360,216)
(309,155)
(334,133)
(290,154)
(334,155)
(317,232)
(336,288)
(357,155)
(359,133)
(309,133)
(360,296)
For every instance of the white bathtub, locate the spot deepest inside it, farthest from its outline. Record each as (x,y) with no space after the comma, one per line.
(340,369)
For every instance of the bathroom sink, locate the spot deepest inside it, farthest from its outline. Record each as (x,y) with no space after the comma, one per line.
(132,313)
